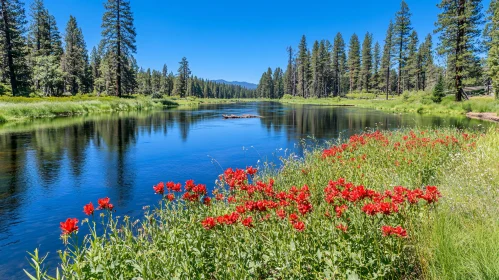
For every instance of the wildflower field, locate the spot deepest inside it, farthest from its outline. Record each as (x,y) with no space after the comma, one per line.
(419,204)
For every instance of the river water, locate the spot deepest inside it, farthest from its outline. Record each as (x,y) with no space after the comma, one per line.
(50,168)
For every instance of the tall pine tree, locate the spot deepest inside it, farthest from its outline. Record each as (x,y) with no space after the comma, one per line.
(118,36)
(402,30)
(367,62)
(14,68)
(493,45)
(75,59)
(386,60)
(339,61)
(354,62)
(458,27)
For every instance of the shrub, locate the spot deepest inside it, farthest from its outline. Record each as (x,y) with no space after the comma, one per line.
(438,90)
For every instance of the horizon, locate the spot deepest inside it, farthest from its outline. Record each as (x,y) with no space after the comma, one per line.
(221,43)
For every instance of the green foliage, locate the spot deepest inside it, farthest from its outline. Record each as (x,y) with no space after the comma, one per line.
(354,63)
(439,90)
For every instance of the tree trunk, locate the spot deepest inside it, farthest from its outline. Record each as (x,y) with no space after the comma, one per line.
(118,52)
(459,49)
(8,48)
(387,81)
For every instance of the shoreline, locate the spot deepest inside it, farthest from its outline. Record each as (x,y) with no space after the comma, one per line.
(491,117)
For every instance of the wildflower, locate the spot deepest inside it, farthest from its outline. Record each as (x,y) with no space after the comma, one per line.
(299,226)
(251,171)
(219,196)
(159,188)
(207,201)
(104,204)
(209,223)
(398,231)
(342,227)
(293,217)
(431,194)
(281,213)
(340,210)
(69,226)
(248,222)
(170,197)
(174,187)
(189,184)
(88,209)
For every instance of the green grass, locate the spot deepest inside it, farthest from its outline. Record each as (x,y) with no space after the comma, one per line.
(410,102)
(24,108)
(455,239)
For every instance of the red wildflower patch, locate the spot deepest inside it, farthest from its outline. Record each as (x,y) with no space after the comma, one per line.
(299,226)
(104,204)
(251,171)
(170,197)
(342,227)
(88,209)
(209,223)
(248,222)
(398,231)
(159,188)
(69,226)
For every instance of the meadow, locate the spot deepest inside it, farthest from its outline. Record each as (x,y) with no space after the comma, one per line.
(409,204)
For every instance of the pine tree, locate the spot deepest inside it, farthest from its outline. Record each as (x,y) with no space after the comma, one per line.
(426,62)
(13,43)
(303,67)
(183,74)
(493,45)
(402,30)
(278,83)
(290,75)
(458,25)
(354,62)
(386,60)
(75,58)
(339,62)
(367,63)
(411,71)
(376,66)
(118,37)
(438,90)
(164,80)
(316,70)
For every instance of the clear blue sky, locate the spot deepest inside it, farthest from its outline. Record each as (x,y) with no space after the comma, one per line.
(238,40)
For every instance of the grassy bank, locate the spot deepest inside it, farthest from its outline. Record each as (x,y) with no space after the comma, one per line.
(24,108)
(414,102)
(304,221)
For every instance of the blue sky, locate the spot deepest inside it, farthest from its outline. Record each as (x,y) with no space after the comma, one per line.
(238,40)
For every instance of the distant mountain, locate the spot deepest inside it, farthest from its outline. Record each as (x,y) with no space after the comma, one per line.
(243,84)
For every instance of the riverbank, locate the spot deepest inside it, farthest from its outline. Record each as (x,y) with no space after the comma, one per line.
(323,227)
(417,102)
(23,108)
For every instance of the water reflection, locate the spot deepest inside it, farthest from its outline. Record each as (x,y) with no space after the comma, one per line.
(50,168)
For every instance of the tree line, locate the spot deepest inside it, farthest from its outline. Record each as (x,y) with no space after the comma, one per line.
(404,62)
(37,59)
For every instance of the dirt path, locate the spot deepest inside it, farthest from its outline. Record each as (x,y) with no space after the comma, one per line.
(484,116)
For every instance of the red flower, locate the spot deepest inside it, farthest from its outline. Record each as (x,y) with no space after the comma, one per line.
(248,222)
(104,204)
(207,201)
(88,209)
(170,197)
(340,210)
(281,213)
(159,188)
(189,184)
(69,226)
(293,217)
(209,223)
(219,196)
(431,195)
(399,231)
(250,170)
(174,187)
(299,226)
(342,227)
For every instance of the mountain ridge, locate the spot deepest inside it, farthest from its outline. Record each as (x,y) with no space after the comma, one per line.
(237,83)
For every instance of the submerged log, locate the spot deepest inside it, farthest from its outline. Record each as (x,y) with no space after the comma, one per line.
(240,117)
